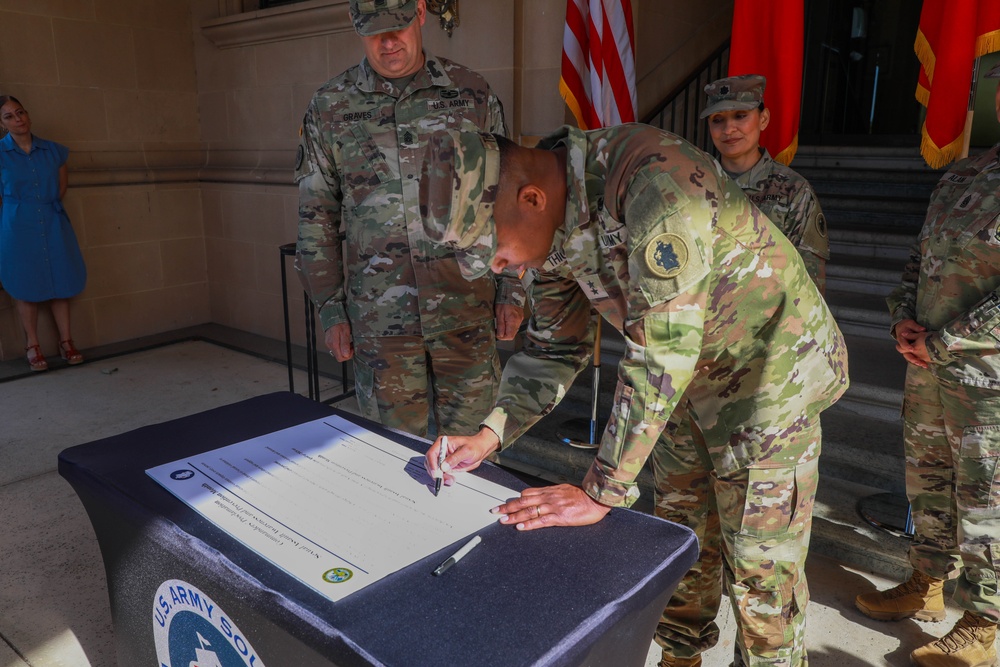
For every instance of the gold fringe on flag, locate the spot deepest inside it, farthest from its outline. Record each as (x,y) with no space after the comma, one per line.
(937,157)
(787,154)
(987,43)
(572,103)
(923,95)
(925,54)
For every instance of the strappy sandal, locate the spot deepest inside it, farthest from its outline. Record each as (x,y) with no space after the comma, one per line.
(36,360)
(69,352)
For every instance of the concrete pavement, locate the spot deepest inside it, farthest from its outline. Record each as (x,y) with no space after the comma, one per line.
(53,597)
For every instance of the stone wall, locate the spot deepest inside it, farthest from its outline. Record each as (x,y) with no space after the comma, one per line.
(115,81)
(182,119)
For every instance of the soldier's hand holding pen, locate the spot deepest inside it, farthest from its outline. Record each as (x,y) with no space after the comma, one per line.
(465,453)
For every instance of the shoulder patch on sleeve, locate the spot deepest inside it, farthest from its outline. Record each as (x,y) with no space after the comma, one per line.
(666,255)
(815,238)
(669,237)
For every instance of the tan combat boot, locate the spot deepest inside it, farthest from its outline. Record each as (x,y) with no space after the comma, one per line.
(670,661)
(921,598)
(969,644)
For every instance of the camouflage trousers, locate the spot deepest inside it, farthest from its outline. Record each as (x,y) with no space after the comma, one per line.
(753,526)
(399,378)
(952,444)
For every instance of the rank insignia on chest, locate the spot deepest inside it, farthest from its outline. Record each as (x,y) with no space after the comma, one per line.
(968,201)
(666,255)
(593,287)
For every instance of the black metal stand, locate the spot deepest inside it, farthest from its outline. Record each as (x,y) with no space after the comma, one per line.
(889,512)
(586,433)
(312,353)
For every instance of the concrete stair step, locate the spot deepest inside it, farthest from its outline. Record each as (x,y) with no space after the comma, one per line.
(909,149)
(873,204)
(833,174)
(884,163)
(863,274)
(901,190)
(858,314)
(874,362)
(862,158)
(862,448)
(871,244)
(899,222)
(840,533)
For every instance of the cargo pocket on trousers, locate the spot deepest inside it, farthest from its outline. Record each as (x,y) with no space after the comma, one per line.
(769,553)
(364,385)
(771,501)
(621,410)
(976,483)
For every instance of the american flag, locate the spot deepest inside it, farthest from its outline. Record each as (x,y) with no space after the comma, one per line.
(598,66)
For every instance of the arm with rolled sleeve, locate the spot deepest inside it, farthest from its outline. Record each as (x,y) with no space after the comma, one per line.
(319,257)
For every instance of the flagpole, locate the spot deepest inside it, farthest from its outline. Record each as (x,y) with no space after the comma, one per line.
(597,81)
(579,432)
(970,112)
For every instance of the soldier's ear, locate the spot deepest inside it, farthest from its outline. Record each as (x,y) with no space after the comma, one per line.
(765,118)
(532,198)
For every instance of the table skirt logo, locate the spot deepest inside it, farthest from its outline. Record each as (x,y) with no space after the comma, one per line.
(337,575)
(191,631)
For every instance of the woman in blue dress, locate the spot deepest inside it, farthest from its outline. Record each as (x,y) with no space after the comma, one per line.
(40,259)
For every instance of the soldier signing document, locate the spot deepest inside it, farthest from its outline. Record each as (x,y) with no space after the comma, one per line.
(723,327)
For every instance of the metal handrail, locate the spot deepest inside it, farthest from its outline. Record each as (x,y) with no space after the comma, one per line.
(679,110)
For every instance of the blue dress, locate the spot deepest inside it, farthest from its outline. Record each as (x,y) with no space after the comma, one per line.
(39,255)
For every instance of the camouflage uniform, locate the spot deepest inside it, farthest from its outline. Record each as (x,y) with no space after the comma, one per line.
(416,325)
(720,317)
(951,411)
(789,201)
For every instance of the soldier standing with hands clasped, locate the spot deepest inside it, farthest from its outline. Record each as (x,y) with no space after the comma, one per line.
(419,334)
(719,315)
(946,322)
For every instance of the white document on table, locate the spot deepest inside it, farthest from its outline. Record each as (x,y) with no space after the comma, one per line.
(331,503)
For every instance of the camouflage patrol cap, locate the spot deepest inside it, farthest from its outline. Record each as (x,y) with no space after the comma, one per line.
(372,17)
(994,72)
(458,185)
(735,92)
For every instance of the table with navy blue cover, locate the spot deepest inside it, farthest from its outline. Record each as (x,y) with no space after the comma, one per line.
(558,596)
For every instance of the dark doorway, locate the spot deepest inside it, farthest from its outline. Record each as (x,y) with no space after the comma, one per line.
(861,73)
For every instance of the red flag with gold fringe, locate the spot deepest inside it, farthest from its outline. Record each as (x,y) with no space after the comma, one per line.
(768,39)
(952,34)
